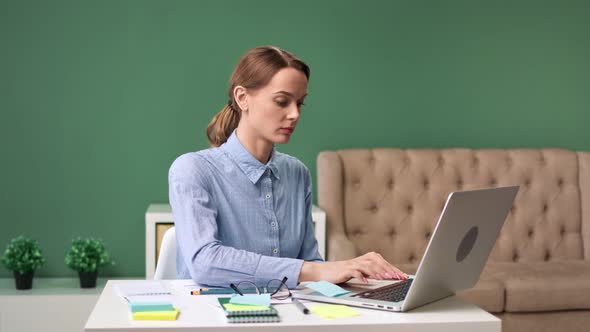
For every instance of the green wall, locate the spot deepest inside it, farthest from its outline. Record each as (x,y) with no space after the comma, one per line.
(99,97)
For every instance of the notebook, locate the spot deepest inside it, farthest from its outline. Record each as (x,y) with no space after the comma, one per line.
(148,300)
(238,313)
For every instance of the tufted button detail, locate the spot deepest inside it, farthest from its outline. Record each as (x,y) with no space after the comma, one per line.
(560,182)
(527,183)
(475,162)
(493,182)
(427,235)
(357,233)
(562,230)
(542,160)
(440,160)
(545,208)
(356,184)
(392,232)
(412,258)
(509,162)
(530,232)
(547,256)
(374,208)
(515,257)
(390,183)
(426,184)
(410,208)
(460,183)
(513,209)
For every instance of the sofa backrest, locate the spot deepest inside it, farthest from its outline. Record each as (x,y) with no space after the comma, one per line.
(389,200)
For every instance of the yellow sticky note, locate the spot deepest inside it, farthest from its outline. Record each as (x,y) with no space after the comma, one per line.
(156,315)
(333,311)
(244,307)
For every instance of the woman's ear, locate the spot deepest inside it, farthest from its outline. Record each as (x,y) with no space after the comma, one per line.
(241,98)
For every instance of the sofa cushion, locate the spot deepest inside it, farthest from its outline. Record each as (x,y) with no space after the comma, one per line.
(570,321)
(389,200)
(544,286)
(487,294)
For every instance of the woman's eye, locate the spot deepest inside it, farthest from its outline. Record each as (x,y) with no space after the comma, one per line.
(283,103)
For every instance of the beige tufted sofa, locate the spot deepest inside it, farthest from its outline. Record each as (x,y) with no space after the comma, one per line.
(538,275)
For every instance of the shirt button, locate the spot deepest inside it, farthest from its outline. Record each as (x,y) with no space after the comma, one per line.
(273,224)
(267,196)
(275,251)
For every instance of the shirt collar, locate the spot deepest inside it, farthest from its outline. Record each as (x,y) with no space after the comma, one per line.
(253,168)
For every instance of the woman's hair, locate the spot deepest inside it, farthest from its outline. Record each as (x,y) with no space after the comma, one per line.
(255,69)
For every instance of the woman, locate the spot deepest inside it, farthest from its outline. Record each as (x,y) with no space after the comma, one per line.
(242,210)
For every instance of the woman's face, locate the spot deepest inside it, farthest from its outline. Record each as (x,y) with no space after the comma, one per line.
(273,110)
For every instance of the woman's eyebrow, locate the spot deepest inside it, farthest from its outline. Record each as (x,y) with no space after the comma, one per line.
(288,94)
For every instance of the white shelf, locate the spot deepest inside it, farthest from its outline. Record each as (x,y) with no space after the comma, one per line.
(162,213)
(54,304)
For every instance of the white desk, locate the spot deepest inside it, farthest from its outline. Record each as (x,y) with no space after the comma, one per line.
(197,314)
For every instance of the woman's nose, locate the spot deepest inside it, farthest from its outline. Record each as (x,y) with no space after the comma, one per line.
(294,113)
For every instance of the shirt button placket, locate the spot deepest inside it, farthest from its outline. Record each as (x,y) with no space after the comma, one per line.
(273,224)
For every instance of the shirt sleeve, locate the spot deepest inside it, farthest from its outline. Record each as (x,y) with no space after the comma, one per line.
(309,249)
(208,260)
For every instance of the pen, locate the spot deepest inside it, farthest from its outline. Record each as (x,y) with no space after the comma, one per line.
(300,305)
(212,291)
(207,291)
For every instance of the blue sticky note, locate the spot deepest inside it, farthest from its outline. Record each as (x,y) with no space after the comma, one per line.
(327,288)
(141,307)
(251,299)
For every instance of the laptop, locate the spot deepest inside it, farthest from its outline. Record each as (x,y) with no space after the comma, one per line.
(460,245)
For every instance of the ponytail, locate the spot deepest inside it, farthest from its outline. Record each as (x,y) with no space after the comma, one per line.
(222,125)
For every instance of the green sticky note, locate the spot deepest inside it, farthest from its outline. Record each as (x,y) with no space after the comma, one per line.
(334,311)
(251,299)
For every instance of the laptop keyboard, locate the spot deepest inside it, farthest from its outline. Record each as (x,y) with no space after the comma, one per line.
(393,293)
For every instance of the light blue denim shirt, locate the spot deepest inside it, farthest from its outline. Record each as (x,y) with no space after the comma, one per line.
(237,219)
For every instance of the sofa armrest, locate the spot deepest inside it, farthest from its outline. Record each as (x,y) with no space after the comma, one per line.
(331,199)
(584,167)
(340,247)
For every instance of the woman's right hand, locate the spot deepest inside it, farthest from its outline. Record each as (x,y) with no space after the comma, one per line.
(371,265)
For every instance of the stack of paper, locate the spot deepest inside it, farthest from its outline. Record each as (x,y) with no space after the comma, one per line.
(148,300)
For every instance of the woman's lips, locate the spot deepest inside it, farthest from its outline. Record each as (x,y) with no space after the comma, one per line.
(287,130)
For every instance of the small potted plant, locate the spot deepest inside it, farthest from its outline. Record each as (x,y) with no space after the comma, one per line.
(86,256)
(23,257)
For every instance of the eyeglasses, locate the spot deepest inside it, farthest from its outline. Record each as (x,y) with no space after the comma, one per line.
(277,288)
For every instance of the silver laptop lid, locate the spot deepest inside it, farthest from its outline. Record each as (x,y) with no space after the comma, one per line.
(461,244)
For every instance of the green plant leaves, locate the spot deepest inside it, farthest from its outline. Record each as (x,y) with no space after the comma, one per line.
(23,255)
(87,255)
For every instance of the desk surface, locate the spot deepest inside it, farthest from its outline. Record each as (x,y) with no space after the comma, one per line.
(198,313)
